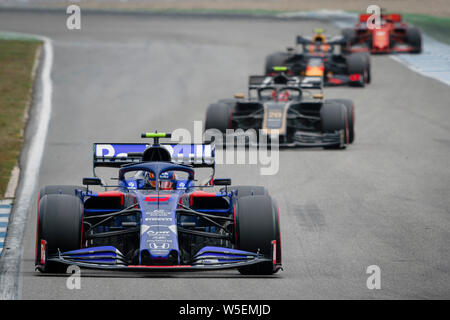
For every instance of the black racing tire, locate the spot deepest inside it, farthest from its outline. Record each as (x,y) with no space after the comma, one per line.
(218,116)
(350,107)
(414,38)
(368,77)
(245,191)
(55,189)
(356,64)
(60,223)
(274,60)
(257,226)
(334,118)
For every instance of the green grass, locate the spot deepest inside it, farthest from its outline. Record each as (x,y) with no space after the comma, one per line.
(16,64)
(265,12)
(436,27)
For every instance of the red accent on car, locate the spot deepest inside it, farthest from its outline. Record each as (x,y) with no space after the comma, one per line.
(380,38)
(43,257)
(334,81)
(150,267)
(364,17)
(156,197)
(230,122)
(112,194)
(284,96)
(200,194)
(274,252)
(355,77)
(394,17)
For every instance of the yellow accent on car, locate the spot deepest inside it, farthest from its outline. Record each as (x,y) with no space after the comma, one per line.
(314,72)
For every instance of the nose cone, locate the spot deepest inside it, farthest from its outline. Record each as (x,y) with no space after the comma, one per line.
(380,39)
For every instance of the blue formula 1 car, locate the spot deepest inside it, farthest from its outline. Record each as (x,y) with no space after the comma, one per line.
(158,217)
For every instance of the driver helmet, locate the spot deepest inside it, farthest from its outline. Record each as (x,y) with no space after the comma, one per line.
(167,180)
(319,36)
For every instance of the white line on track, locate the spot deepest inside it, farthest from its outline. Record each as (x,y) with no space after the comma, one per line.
(11,259)
(433,62)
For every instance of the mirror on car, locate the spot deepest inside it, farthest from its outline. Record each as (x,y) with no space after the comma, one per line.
(92,181)
(222,182)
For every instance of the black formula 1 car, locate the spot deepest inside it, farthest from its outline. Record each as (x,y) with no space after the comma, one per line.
(318,57)
(392,35)
(158,216)
(287,107)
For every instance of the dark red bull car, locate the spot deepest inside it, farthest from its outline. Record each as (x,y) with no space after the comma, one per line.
(319,57)
(391,35)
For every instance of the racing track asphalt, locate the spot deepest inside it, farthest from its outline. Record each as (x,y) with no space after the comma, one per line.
(383,201)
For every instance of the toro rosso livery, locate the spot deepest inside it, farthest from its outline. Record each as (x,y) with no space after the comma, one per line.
(158,216)
(392,35)
(318,58)
(287,107)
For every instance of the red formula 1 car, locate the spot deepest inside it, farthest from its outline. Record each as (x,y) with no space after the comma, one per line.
(392,35)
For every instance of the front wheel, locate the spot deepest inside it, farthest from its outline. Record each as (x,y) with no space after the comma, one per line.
(350,107)
(333,116)
(59,225)
(258,230)
(414,38)
(218,116)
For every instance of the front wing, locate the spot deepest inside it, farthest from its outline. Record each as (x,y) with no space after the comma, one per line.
(355,80)
(109,258)
(398,48)
(301,139)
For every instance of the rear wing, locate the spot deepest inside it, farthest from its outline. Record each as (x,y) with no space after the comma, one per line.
(312,83)
(116,155)
(302,82)
(392,17)
(256,82)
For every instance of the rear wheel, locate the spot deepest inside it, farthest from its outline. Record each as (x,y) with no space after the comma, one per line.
(350,107)
(414,38)
(356,64)
(257,226)
(218,116)
(274,60)
(334,118)
(60,218)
